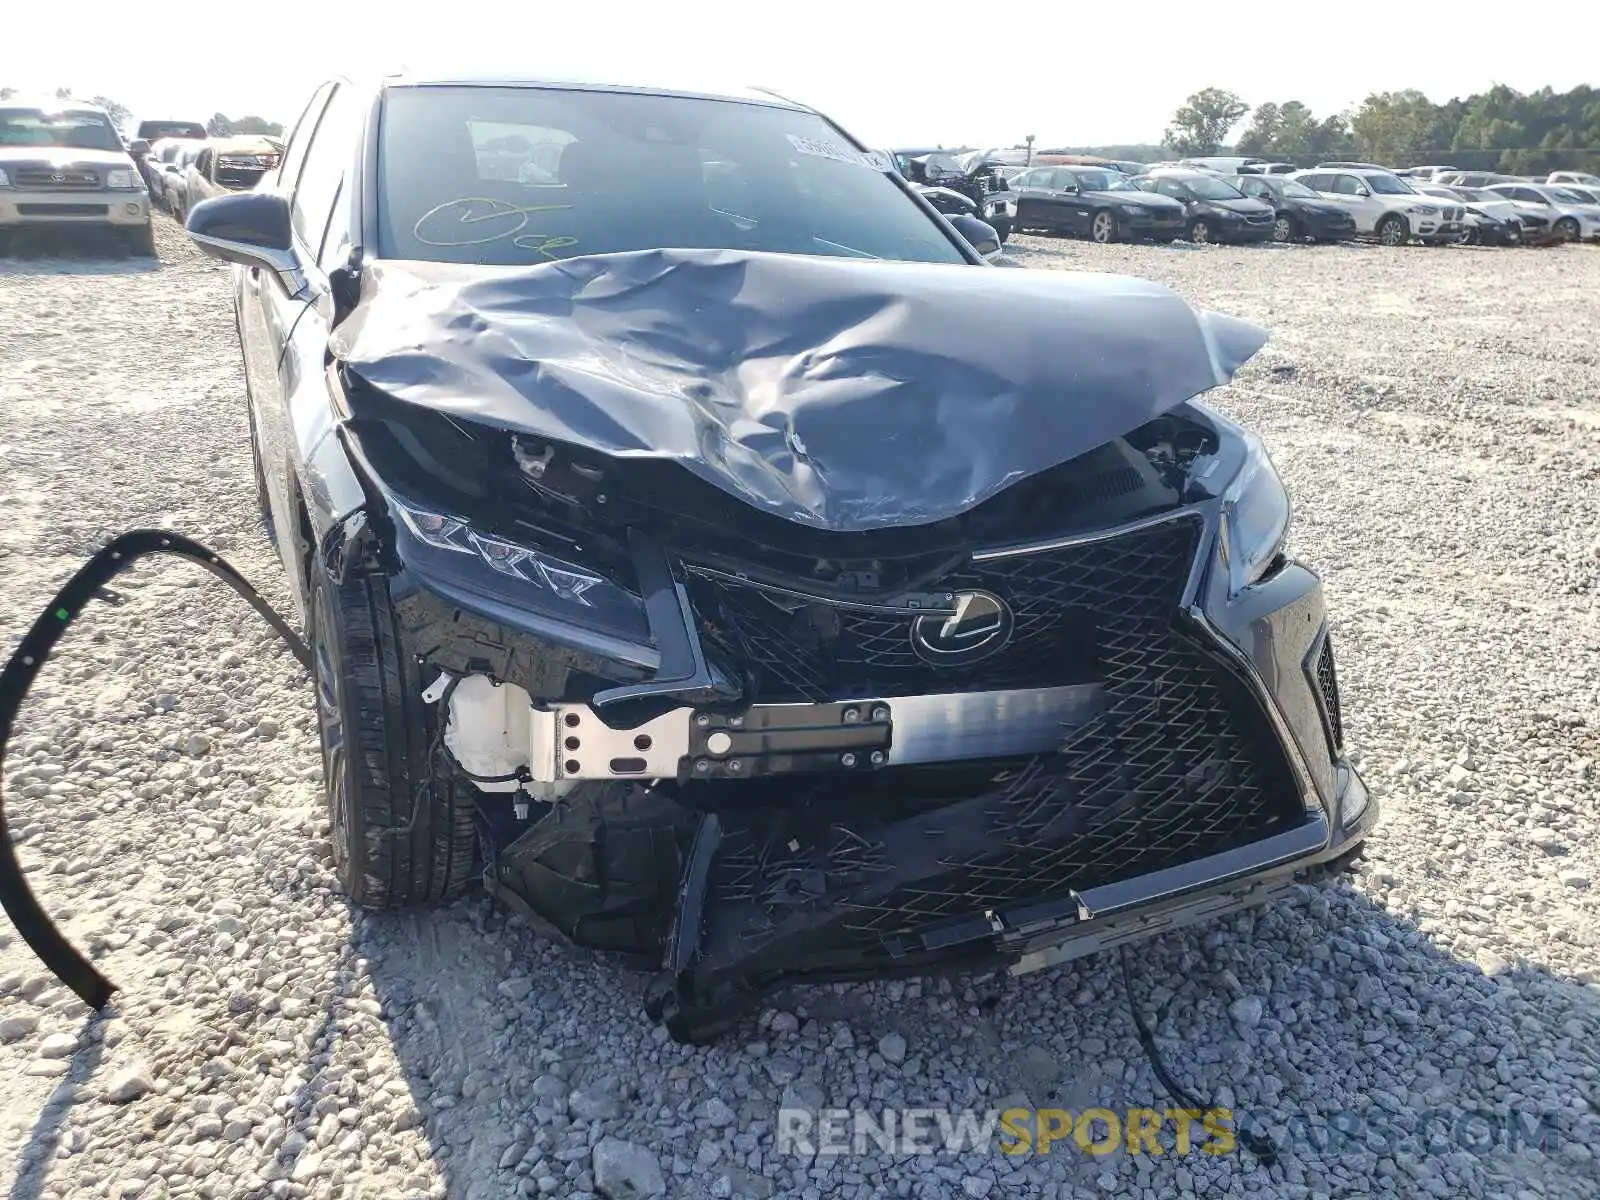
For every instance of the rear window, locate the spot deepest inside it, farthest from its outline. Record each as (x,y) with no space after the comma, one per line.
(74,129)
(151,130)
(522,175)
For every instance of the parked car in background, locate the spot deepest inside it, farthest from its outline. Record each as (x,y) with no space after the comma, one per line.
(1488,223)
(175,188)
(1223,164)
(1299,213)
(161,169)
(1535,221)
(1386,206)
(1270,168)
(1474,179)
(230,164)
(1425,173)
(141,141)
(1572,219)
(688,679)
(1581,178)
(1589,195)
(1352,166)
(1094,202)
(63,165)
(1214,209)
(976,174)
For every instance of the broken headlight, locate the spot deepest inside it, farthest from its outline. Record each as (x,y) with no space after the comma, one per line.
(564,580)
(1255,508)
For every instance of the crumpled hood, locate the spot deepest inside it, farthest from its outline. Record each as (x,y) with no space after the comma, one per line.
(837,393)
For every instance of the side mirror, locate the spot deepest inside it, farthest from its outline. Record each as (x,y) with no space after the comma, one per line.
(980,235)
(251,229)
(139,147)
(1362,190)
(1068,189)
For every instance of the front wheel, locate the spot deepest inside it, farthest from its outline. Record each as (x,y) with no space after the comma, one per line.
(141,240)
(1393,230)
(401,821)
(1103,228)
(1286,229)
(1567,229)
(1199,233)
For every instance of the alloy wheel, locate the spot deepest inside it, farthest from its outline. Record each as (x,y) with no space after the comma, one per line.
(1282,230)
(1199,233)
(1104,229)
(1393,232)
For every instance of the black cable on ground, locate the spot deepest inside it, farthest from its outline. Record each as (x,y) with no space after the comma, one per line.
(89,583)
(1259,1144)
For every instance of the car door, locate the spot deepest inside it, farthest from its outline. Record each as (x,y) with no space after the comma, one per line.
(302,422)
(1025,186)
(1352,194)
(1048,194)
(266,314)
(1070,211)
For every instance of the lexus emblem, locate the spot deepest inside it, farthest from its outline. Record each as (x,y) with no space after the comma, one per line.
(980,626)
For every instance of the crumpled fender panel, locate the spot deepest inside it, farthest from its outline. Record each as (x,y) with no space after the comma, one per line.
(837,393)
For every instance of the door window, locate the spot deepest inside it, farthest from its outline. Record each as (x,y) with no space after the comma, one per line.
(294,154)
(330,155)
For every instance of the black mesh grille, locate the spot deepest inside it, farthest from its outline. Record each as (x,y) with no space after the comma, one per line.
(1068,607)
(1182,764)
(1328,686)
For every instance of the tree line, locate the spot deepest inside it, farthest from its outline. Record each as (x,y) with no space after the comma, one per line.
(1520,133)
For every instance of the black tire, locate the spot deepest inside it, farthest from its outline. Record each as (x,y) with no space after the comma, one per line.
(1567,229)
(141,240)
(401,821)
(1103,227)
(1200,232)
(1286,228)
(1393,230)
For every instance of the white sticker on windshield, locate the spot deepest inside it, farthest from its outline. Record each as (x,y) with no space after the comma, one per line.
(823,148)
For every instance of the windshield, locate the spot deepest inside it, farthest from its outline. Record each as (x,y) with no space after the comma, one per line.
(1565,196)
(1102,181)
(509,176)
(75,130)
(1293,187)
(1388,185)
(1208,188)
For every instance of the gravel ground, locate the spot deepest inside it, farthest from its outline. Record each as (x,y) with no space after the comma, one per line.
(1436,414)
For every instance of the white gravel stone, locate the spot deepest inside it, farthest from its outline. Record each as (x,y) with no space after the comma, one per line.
(624,1170)
(15,1028)
(132,1082)
(58,1045)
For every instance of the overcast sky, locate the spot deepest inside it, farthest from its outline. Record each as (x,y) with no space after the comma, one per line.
(1077,73)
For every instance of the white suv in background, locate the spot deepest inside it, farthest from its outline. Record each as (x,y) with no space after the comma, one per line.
(62,164)
(1571,218)
(1387,207)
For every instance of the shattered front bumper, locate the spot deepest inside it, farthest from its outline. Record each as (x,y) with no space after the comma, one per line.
(1037,806)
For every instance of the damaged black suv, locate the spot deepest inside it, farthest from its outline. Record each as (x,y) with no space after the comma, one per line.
(681,559)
